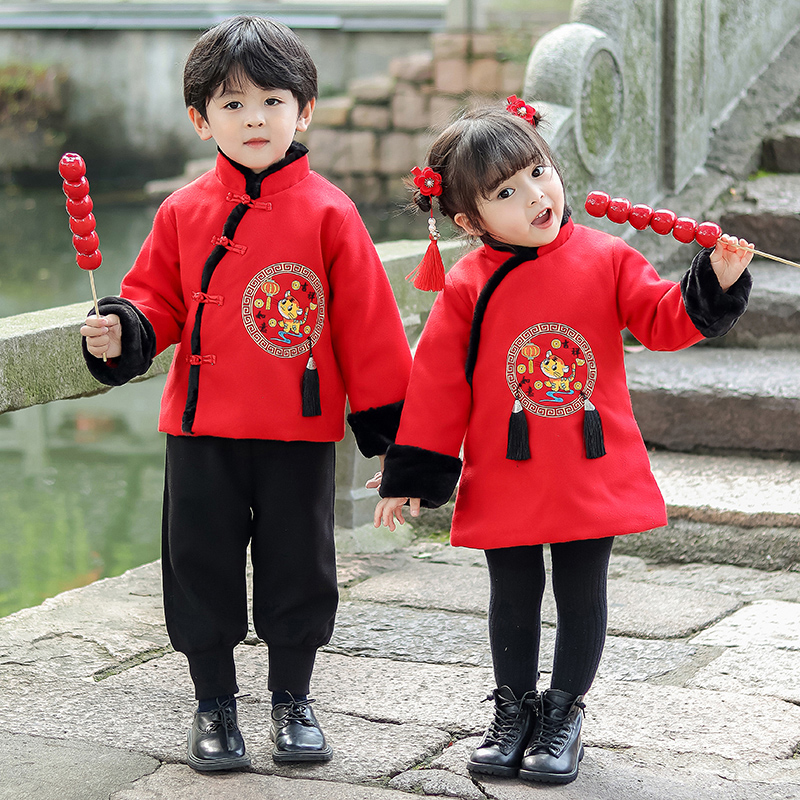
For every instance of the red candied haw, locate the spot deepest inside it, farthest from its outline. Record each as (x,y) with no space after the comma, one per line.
(80,209)
(597,203)
(662,220)
(618,210)
(71,167)
(684,228)
(640,216)
(707,234)
(82,227)
(76,190)
(91,261)
(86,245)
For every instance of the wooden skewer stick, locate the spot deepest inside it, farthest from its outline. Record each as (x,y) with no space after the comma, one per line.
(94,298)
(766,255)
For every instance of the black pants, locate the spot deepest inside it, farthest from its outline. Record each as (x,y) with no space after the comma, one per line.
(219,496)
(517,577)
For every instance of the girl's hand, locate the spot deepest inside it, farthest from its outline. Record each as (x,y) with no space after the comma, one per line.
(103,335)
(391,508)
(730,262)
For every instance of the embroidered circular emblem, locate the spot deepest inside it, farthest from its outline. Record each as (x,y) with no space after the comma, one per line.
(552,370)
(282,308)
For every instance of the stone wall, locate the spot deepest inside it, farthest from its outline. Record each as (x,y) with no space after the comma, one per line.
(635,88)
(367,140)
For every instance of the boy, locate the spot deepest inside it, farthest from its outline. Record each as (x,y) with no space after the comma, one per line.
(263,274)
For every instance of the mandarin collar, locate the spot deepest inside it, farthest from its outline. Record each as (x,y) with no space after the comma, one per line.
(287,172)
(499,253)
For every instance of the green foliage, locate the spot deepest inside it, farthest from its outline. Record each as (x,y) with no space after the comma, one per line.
(30,94)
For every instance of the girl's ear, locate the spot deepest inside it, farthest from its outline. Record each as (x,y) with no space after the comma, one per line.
(304,120)
(200,124)
(463,222)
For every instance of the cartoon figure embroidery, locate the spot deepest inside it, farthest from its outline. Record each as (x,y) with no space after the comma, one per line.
(283,309)
(293,317)
(550,370)
(559,376)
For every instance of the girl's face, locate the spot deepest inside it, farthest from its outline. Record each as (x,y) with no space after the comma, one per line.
(525,210)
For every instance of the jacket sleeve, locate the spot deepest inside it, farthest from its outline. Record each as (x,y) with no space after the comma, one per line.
(138,344)
(425,462)
(368,337)
(712,311)
(650,307)
(153,284)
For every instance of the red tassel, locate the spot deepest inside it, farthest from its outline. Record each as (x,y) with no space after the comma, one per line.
(428,275)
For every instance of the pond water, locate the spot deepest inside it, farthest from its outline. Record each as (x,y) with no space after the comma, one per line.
(81,480)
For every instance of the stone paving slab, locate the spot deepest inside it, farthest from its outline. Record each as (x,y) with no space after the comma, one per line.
(680,721)
(33,768)
(607,775)
(66,635)
(440,637)
(763,622)
(752,670)
(717,398)
(173,782)
(659,613)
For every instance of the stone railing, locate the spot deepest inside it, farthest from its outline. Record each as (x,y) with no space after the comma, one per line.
(41,361)
(635,89)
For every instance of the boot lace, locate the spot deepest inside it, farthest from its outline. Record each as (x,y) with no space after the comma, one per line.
(507,723)
(224,715)
(552,734)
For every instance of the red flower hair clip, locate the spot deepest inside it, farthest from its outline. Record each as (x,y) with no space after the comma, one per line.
(519,108)
(427,181)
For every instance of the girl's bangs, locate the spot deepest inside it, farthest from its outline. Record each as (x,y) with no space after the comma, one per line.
(505,156)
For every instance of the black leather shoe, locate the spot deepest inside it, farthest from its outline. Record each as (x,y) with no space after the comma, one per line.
(215,742)
(555,749)
(500,751)
(297,734)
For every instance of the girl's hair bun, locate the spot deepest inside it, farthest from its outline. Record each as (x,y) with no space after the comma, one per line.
(423,202)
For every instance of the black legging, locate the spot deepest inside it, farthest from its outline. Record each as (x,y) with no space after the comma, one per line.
(517,577)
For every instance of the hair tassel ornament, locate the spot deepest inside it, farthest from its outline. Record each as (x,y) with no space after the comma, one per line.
(310,387)
(428,275)
(518,445)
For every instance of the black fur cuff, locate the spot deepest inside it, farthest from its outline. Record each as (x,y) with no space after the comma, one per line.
(138,344)
(713,311)
(376,428)
(414,472)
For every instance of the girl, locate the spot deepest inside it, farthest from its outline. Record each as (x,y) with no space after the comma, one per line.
(521,362)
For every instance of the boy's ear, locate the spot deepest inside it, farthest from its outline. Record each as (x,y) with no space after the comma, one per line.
(463,222)
(200,124)
(304,120)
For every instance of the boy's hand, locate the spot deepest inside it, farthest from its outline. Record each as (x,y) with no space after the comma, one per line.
(730,262)
(103,336)
(391,508)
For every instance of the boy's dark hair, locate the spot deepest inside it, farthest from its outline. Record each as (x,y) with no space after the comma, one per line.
(248,48)
(479,151)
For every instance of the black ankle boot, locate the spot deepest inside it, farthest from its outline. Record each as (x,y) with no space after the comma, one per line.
(555,749)
(503,744)
(215,742)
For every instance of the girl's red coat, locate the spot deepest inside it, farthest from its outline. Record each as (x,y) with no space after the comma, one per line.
(585,281)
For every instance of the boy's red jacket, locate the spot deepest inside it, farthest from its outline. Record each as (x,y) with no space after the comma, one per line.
(550,337)
(298,270)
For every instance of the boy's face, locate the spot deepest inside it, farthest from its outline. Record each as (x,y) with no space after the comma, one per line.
(251,125)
